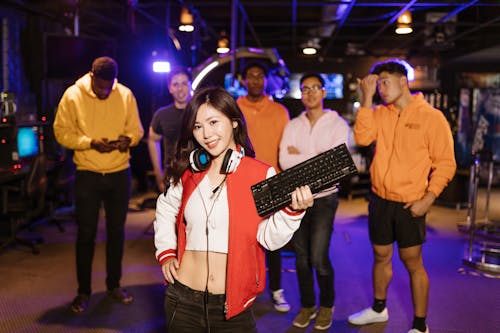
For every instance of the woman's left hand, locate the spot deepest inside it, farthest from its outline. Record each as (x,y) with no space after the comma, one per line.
(302,198)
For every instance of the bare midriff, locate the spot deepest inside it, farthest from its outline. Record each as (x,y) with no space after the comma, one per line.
(193,271)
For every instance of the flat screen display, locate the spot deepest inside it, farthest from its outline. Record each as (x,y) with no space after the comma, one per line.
(233,86)
(27,141)
(276,86)
(334,85)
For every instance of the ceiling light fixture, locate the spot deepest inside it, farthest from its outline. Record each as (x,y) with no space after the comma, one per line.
(404,23)
(311,47)
(161,66)
(223,43)
(186,20)
(308,50)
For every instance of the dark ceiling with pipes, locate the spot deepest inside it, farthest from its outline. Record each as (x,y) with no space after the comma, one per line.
(339,29)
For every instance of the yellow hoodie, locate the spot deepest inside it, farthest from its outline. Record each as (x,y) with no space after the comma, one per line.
(81,117)
(408,147)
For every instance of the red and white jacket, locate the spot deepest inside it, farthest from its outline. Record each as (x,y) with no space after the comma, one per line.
(249,233)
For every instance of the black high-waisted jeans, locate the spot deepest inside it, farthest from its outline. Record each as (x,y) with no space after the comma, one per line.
(192,311)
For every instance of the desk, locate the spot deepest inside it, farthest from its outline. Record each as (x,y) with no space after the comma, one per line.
(9,176)
(15,178)
(10,179)
(23,199)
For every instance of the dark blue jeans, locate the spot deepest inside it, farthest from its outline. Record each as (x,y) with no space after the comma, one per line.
(192,311)
(91,191)
(312,244)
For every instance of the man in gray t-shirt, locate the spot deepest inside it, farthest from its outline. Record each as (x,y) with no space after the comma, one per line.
(166,123)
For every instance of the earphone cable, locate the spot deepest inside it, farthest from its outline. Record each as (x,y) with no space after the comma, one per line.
(217,190)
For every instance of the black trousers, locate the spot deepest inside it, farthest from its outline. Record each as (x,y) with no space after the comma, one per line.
(312,250)
(192,311)
(93,190)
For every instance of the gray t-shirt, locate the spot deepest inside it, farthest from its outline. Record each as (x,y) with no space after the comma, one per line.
(167,123)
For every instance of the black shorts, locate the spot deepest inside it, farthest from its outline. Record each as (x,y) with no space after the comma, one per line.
(388,221)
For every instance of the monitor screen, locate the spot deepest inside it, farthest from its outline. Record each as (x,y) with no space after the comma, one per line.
(334,85)
(276,86)
(27,141)
(233,86)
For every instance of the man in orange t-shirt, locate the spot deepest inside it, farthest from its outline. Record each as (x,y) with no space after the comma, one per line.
(266,121)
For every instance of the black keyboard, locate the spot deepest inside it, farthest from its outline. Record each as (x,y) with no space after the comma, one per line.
(319,172)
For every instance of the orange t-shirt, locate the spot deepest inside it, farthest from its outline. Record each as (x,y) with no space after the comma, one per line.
(266,121)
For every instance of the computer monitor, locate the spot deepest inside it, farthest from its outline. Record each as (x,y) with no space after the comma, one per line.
(276,86)
(334,85)
(28,142)
(233,86)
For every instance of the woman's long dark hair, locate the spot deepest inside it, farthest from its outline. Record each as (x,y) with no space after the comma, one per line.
(221,100)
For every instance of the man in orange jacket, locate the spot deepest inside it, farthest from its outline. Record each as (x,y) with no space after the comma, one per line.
(414,161)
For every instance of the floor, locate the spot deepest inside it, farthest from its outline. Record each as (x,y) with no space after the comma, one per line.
(35,290)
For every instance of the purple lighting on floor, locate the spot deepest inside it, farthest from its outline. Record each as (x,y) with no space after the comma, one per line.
(161,67)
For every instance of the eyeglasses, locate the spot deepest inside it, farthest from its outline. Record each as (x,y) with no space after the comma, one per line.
(307,90)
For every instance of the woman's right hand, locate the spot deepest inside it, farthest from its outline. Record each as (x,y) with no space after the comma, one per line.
(169,270)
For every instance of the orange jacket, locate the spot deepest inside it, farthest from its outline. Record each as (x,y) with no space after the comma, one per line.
(414,149)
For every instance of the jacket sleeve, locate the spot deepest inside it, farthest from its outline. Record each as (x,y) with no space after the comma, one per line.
(167,209)
(441,150)
(365,128)
(277,230)
(66,125)
(133,126)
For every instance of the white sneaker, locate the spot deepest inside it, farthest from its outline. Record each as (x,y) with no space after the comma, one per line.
(414,330)
(368,316)
(280,303)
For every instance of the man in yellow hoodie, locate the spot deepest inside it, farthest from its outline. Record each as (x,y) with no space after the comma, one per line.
(413,162)
(97,117)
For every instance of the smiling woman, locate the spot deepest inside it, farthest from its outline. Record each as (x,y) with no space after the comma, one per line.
(206,222)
